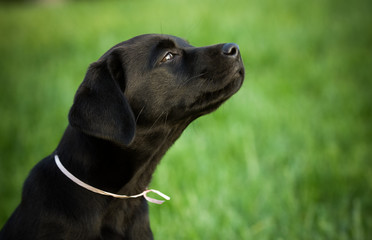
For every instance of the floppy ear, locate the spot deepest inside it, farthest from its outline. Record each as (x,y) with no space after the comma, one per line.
(100,108)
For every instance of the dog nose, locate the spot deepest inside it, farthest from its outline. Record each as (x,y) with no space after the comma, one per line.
(230,49)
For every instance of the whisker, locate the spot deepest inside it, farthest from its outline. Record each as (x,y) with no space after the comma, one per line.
(191,78)
(205,84)
(139,114)
(155,121)
(166,118)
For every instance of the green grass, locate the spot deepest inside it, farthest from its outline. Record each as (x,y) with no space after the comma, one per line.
(288,157)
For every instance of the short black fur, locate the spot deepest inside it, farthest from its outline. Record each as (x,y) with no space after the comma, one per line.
(131,107)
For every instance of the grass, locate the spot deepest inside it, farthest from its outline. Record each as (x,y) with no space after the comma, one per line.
(288,157)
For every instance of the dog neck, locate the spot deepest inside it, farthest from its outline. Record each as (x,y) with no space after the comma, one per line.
(107,166)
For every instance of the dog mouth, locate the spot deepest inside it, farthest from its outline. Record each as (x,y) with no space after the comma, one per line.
(211,100)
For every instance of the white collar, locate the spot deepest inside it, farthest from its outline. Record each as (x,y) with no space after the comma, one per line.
(99,191)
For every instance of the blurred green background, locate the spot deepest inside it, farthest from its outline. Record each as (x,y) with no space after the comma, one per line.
(288,157)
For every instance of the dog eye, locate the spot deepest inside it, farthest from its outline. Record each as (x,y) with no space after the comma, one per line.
(169,56)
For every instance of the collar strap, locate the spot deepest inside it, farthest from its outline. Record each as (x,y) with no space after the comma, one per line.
(99,191)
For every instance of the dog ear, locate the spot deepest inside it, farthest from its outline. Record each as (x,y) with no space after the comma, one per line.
(100,108)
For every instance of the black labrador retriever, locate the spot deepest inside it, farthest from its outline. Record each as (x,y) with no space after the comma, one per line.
(133,104)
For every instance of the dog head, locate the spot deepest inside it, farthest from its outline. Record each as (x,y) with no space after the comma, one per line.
(149,77)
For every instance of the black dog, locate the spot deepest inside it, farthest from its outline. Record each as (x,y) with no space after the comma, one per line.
(133,104)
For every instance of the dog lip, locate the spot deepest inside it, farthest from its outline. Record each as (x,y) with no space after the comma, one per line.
(237,77)
(225,88)
(217,97)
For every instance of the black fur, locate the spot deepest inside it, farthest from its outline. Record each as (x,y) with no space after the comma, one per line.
(131,107)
